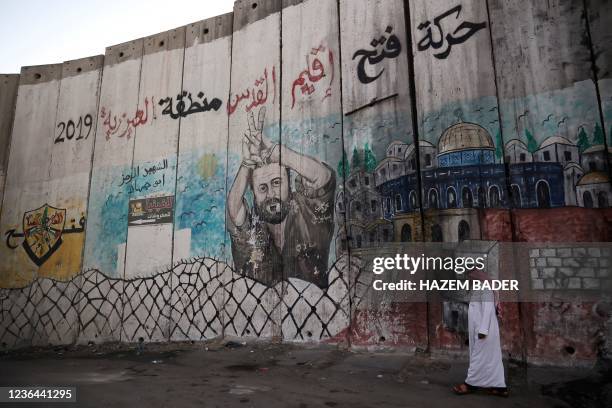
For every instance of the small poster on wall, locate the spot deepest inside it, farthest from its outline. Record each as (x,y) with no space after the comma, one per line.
(148,211)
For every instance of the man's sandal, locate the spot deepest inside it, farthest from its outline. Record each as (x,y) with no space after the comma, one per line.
(462,389)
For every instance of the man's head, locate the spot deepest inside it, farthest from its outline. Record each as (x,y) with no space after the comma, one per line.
(272,193)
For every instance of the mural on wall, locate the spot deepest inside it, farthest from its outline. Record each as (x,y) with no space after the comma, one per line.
(43,229)
(146,178)
(549,103)
(86,308)
(377,113)
(199,216)
(200,204)
(334,174)
(555,144)
(537,180)
(311,126)
(301,215)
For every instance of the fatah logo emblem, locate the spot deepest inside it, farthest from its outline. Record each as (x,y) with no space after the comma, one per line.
(42,231)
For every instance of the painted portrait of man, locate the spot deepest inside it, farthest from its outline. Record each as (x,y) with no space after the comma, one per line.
(288,230)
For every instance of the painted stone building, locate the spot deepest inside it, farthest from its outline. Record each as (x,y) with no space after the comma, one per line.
(462,175)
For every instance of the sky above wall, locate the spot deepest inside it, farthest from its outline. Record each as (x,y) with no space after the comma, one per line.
(37,32)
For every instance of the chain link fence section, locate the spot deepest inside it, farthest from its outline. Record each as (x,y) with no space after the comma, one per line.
(195,300)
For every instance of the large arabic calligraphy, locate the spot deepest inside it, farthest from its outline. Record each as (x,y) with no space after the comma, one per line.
(113,125)
(182,110)
(314,72)
(392,48)
(460,35)
(122,126)
(258,94)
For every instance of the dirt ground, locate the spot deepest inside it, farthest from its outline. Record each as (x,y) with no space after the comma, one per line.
(233,374)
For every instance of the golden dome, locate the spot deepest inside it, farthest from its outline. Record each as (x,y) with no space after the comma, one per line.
(595,177)
(463,136)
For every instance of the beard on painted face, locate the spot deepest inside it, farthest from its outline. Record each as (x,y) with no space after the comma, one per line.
(272,210)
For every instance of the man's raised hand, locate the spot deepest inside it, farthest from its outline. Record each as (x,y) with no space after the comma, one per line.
(256,148)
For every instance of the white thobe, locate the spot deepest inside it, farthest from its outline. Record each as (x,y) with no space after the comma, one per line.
(486,368)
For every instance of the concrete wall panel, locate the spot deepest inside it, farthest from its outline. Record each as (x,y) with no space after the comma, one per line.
(311,135)
(28,174)
(554,138)
(201,190)
(457,113)
(460,141)
(71,160)
(255,90)
(378,135)
(548,101)
(152,187)
(149,245)
(67,190)
(201,183)
(8,98)
(600,19)
(119,114)
(378,146)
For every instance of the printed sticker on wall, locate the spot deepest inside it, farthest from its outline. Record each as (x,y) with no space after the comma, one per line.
(149,211)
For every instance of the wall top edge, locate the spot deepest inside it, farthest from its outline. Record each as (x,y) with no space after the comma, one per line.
(123,52)
(82,65)
(37,74)
(164,41)
(249,11)
(210,29)
(9,77)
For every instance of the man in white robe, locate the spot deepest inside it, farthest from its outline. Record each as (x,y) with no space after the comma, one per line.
(486,370)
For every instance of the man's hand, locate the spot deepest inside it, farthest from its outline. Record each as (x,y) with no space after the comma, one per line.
(257,149)
(481,336)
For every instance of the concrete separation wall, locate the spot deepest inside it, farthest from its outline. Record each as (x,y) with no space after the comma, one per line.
(236,176)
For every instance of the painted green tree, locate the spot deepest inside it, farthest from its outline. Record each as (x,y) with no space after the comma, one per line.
(499,149)
(532,145)
(583,140)
(356,159)
(343,165)
(369,159)
(598,136)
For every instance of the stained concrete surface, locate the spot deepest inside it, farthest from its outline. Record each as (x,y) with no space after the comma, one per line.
(219,374)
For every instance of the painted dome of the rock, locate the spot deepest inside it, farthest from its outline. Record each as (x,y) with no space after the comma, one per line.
(462,136)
